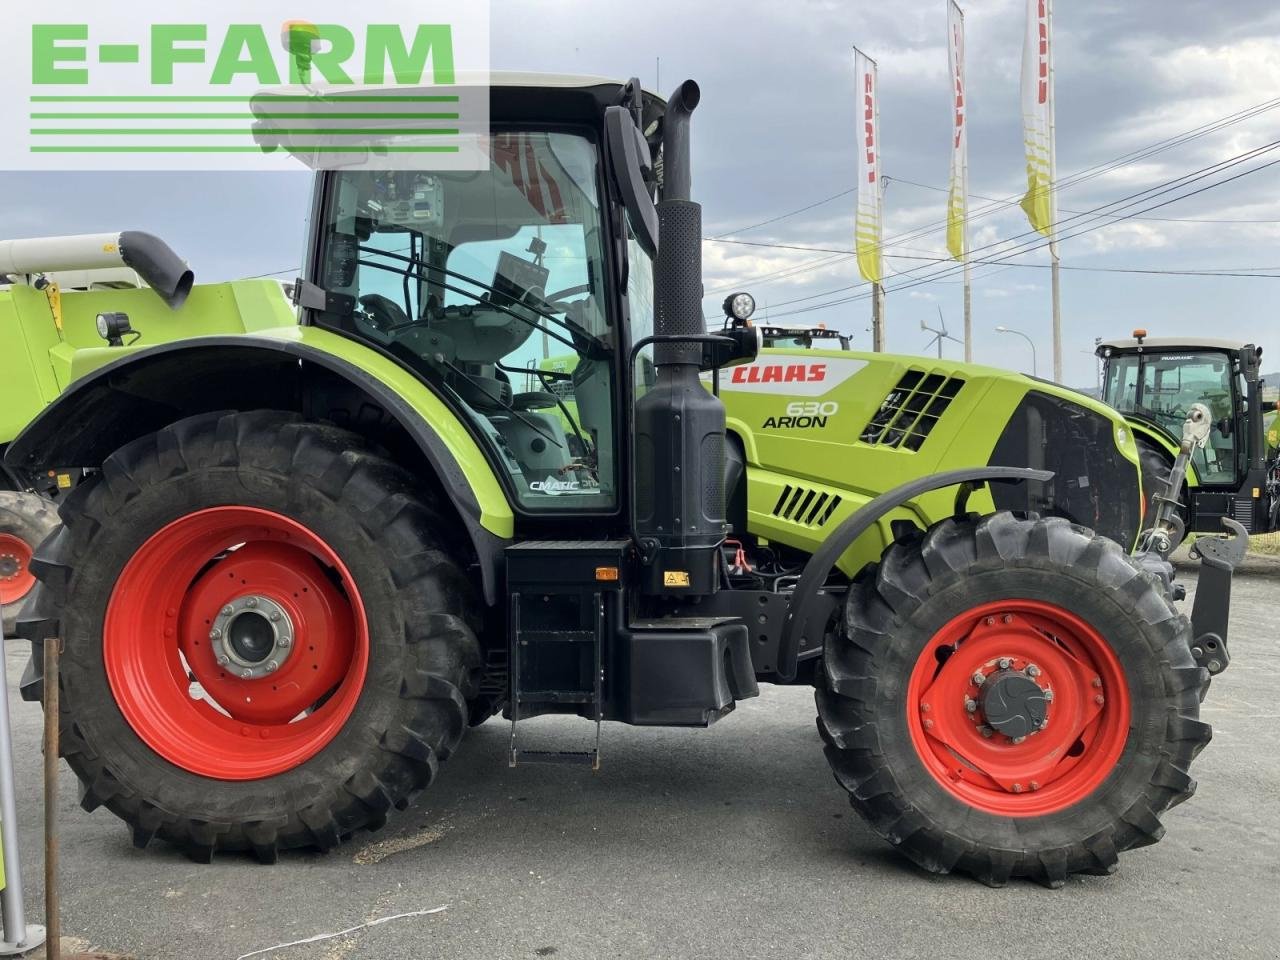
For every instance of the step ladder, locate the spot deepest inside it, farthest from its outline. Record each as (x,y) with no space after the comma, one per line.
(527,693)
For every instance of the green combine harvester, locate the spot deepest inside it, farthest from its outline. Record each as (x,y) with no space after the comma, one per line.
(307,546)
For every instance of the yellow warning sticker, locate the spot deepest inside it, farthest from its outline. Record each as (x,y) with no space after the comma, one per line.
(64,481)
(675,578)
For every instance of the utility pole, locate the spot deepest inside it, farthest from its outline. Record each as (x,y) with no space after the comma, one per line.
(877,318)
(968,307)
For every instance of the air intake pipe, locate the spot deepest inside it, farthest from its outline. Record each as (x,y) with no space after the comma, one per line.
(680,425)
(150,257)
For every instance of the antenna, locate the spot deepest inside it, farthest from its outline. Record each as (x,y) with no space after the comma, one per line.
(939,333)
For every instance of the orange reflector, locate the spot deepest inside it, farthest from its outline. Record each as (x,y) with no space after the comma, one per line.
(1139,333)
(609,574)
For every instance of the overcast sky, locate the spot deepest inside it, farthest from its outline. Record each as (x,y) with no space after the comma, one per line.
(775,133)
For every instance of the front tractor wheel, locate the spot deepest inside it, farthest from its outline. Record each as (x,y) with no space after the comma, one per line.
(1011,698)
(267,642)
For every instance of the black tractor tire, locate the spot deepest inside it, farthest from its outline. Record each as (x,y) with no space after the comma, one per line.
(25,520)
(400,549)
(894,615)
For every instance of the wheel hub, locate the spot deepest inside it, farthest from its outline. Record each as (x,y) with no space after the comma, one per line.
(252,635)
(10,566)
(1012,703)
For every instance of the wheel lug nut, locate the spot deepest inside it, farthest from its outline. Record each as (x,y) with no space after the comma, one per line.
(925,708)
(1048,696)
(272,666)
(1099,699)
(251,602)
(1097,681)
(986,731)
(215,634)
(991,621)
(1017,788)
(979,679)
(247,674)
(1034,785)
(1033,670)
(928,724)
(1008,618)
(1019,739)
(275,618)
(223,661)
(970,705)
(284,641)
(228,610)
(1005,663)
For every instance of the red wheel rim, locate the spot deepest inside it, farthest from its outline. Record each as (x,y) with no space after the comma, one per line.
(179,664)
(16,578)
(1083,702)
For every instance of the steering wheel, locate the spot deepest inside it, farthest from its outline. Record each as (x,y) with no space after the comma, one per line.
(534,400)
(556,300)
(383,313)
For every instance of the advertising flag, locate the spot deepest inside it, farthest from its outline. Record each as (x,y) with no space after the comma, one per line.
(869,223)
(1037,116)
(958,198)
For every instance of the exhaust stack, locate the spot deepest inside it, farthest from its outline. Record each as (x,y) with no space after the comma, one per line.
(150,257)
(679,425)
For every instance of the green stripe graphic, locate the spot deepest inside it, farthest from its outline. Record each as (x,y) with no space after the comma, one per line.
(203,131)
(319,148)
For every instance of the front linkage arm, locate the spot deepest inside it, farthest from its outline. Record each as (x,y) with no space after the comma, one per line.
(1219,555)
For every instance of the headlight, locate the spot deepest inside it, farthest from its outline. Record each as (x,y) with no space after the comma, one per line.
(740,306)
(113,327)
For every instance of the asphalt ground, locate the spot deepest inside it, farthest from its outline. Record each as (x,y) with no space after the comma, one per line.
(732,842)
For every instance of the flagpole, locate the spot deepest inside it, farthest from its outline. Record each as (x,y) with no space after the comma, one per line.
(877,291)
(968,268)
(1055,272)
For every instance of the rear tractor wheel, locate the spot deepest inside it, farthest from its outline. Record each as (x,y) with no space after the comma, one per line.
(25,520)
(268,644)
(1011,698)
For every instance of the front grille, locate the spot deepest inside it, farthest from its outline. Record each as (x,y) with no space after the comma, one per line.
(911,410)
(803,505)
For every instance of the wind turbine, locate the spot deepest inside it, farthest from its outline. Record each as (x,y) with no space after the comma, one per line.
(938,334)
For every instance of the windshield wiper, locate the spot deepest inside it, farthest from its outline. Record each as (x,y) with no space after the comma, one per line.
(600,348)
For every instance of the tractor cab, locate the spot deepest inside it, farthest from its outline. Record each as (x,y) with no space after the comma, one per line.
(1155,382)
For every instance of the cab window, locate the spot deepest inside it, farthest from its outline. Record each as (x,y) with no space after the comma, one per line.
(478,281)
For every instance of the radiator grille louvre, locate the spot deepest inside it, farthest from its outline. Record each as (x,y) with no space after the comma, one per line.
(804,505)
(911,410)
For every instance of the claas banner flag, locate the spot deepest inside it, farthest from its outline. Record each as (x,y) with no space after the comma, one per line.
(958,198)
(1037,116)
(869,223)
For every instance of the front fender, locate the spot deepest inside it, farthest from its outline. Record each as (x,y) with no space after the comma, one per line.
(799,622)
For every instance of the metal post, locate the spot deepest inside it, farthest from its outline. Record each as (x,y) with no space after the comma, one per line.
(52,909)
(18,937)
(1054,274)
(877,318)
(968,304)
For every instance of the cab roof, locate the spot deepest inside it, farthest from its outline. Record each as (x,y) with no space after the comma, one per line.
(1174,343)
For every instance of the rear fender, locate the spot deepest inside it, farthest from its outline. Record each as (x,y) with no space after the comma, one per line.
(313,372)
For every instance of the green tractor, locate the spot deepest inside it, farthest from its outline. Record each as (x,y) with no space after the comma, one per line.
(1236,474)
(309,551)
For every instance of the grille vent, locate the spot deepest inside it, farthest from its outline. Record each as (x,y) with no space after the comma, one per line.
(807,506)
(911,410)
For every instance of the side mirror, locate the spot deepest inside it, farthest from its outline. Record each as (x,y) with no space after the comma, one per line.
(747,341)
(632,164)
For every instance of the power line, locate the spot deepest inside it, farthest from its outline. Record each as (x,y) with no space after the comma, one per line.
(1030,246)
